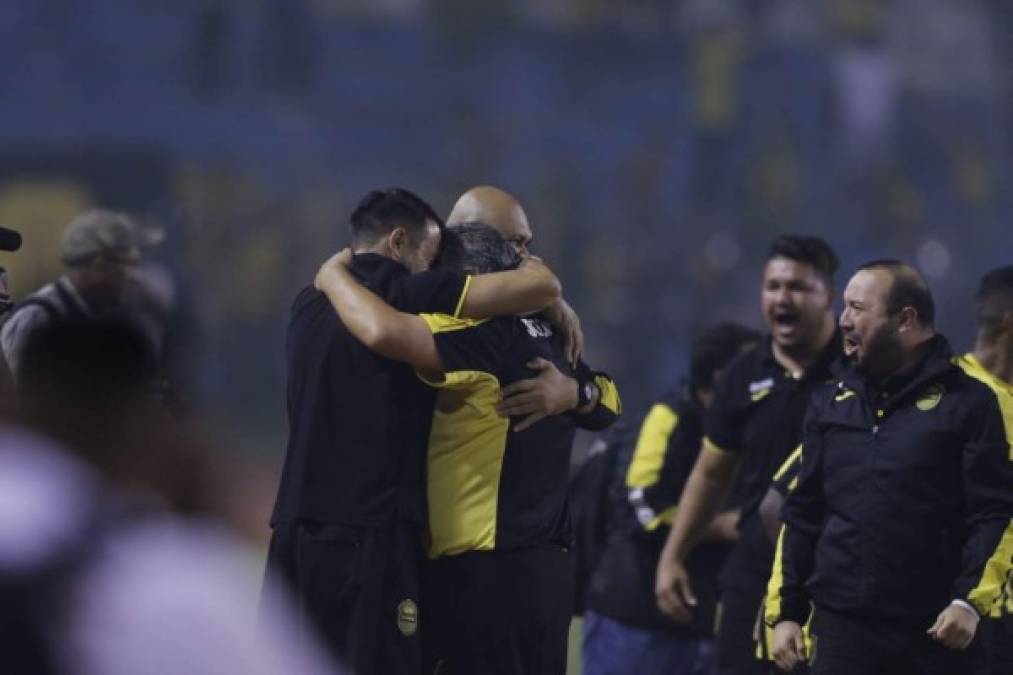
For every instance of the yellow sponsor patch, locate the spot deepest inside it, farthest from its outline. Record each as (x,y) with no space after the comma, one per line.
(843,396)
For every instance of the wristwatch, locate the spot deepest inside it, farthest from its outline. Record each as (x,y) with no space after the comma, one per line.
(586,391)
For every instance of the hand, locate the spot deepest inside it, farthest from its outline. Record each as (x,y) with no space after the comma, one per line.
(788,645)
(342,258)
(955,627)
(566,321)
(672,589)
(549,393)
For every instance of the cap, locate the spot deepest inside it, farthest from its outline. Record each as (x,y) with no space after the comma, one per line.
(100,231)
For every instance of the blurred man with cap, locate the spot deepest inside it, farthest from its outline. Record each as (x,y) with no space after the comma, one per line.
(100,252)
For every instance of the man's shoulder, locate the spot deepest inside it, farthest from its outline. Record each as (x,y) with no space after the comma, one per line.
(312,319)
(749,360)
(973,387)
(307,297)
(824,393)
(679,403)
(35,307)
(432,290)
(39,296)
(747,379)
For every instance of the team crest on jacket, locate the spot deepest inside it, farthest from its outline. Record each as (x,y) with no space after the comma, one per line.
(930,398)
(843,395)
(407,617)
(758,390)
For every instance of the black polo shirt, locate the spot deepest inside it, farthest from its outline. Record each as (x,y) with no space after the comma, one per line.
(490,487)
(358,422)
(757,413)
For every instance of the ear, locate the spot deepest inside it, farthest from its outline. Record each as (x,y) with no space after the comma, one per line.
(907,320)
(397,240)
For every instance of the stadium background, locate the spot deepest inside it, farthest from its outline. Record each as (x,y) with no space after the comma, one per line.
(656,145)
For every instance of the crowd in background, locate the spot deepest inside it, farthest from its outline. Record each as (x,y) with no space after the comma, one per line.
(658,146)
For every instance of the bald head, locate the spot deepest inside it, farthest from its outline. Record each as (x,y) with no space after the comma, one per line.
(496,208)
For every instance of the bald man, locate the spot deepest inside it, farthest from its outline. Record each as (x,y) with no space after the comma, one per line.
(497,208)
(551,392)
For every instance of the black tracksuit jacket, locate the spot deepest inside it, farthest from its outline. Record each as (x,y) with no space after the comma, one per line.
(904,500)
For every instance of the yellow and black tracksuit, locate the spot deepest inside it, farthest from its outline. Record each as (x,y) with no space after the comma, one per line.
(1001,617)
(903,505)
(499,588)
(784,481)
(654,470)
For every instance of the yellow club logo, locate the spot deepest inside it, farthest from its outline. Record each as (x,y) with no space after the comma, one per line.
(408,617)
(930,398)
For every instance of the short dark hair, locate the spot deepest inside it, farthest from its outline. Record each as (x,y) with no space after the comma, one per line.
(994,299)
(476,248)
(810,250)
(714,348)
(380,211)
(907,290)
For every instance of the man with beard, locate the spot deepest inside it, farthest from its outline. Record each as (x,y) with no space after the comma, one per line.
(499,585)
(351,500)
(898,535)
(992,363)
(752,426)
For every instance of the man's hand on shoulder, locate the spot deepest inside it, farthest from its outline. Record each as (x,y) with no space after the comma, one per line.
(567,324)
(331,269)
(548,393)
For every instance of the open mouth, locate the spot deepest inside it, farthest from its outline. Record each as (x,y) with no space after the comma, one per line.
(785,321)
(850,346)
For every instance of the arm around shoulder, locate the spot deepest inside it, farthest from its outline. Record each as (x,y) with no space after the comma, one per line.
(381,328)
(530,288)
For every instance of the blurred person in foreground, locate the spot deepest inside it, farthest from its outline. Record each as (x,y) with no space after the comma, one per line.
(624,631)
(498,585)
(898,536)
(751,427)
(100,253)
(350,510)
(991,361)
(109,563)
